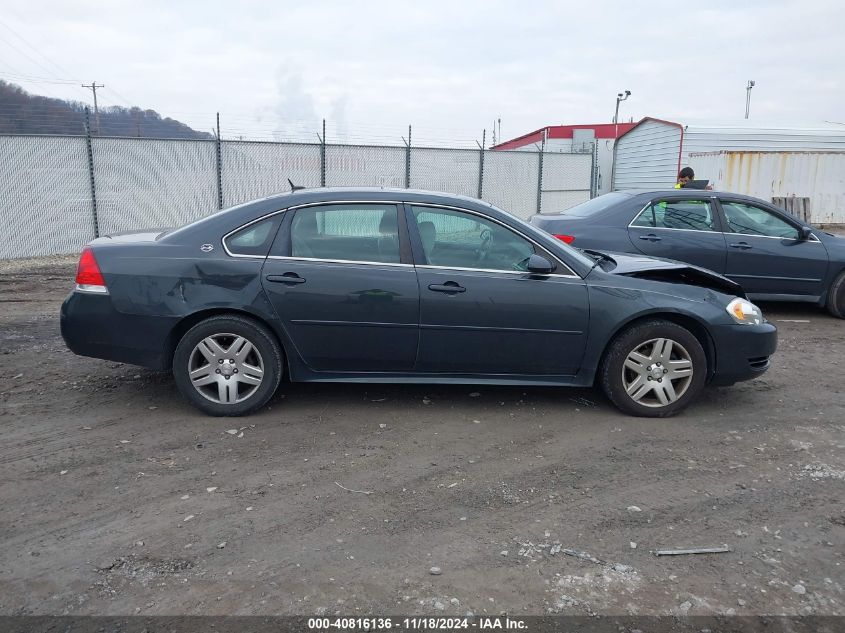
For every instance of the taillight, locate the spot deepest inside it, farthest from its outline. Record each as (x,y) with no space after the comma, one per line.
(88,275)
(566,238)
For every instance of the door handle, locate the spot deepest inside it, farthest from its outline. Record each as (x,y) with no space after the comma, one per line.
(450,287)
(651,237)
(742,246)
(286,278)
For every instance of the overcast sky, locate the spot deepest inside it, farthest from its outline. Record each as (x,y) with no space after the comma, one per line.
(448,68)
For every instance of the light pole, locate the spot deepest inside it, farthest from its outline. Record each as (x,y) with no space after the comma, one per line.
(619,98)
(748,96)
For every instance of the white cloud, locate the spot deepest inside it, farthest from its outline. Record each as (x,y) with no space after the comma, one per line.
(449,68)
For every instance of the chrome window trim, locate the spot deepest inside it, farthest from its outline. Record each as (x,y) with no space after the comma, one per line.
(294,208)
(396,202)
(337,261)
(667,228)
(631,224)
(493,270)
(424,266)
(813,239)
(487,217)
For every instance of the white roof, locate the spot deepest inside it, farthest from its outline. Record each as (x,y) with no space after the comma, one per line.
(758,124)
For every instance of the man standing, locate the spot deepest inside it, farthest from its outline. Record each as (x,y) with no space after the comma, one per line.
(687,175)
(684,176)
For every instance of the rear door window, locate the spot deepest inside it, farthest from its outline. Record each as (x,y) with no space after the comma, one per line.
(691,215)
(348,232)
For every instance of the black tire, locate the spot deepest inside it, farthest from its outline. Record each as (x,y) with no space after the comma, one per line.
(836,297)
(613,372)
(264,344)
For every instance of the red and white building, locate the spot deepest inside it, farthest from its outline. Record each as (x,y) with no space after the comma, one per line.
(573,139)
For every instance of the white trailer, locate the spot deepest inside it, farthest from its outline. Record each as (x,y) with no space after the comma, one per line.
(651,153)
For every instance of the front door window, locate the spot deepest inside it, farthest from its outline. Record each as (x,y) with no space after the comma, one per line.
(748,219)
(454,239)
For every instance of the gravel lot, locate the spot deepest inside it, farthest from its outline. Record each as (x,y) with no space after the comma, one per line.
(118,498)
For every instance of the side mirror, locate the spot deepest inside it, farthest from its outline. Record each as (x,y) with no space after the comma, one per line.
(539,265)
(805,233)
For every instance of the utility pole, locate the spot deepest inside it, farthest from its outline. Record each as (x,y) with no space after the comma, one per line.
(93,87)
(748,96)
(619,98)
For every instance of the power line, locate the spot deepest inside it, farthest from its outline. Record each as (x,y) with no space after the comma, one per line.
(27,55)
(42,80)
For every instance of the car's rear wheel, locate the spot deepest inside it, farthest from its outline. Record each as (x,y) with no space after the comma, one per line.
(654,369)
(836,297)
(227,365)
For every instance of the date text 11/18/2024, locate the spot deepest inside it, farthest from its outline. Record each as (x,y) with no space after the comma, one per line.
(417,624)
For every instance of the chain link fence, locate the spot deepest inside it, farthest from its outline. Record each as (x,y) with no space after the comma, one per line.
(59,192)
(252,170)
(152,183)
(45,193)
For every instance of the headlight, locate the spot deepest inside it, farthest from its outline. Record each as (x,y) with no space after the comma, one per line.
(743,311)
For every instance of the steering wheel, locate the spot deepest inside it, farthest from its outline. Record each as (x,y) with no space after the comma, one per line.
(522,264)
(486,245)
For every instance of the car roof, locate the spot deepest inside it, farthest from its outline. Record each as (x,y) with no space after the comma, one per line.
(650,193)
(318,194)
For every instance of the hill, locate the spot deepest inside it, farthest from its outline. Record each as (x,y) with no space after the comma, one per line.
(25,113)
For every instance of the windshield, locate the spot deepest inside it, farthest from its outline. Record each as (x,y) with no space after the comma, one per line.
(595,205)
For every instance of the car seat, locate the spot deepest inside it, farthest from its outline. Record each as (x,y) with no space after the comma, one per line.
(691,217)
(428,235)
(388,241)
(303,230)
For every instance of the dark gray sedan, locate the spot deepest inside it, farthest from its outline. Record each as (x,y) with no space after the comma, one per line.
(375,285)
(772,254)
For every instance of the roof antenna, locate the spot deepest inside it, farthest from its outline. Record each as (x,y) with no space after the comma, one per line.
(294,187)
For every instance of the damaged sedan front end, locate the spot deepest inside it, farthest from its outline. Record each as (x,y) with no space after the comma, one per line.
(738,339)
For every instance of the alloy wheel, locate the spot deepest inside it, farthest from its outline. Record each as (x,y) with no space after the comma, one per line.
(657,373)
(225,368)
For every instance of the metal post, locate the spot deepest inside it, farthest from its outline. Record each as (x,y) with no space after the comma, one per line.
(481,164)
(219,166)
(540,175)
(594,171)
(323,156)
(748,97)
(408,161)
(91,172)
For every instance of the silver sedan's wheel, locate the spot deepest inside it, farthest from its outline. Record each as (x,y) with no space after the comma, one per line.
(657,372)
(226,368)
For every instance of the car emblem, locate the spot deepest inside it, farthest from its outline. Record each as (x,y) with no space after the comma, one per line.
(207,248)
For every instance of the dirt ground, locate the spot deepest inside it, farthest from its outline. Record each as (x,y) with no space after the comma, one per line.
(118,498)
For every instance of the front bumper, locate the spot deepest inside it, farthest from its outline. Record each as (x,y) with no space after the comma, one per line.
(742,352)
(91,326)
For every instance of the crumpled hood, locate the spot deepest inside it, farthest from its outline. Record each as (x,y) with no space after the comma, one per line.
(669,270)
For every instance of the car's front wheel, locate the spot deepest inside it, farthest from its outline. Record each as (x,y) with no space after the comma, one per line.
(654,369)
(227,365)
(836,297)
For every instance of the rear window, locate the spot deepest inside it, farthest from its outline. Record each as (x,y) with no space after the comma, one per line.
(595,205)
(254,239)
